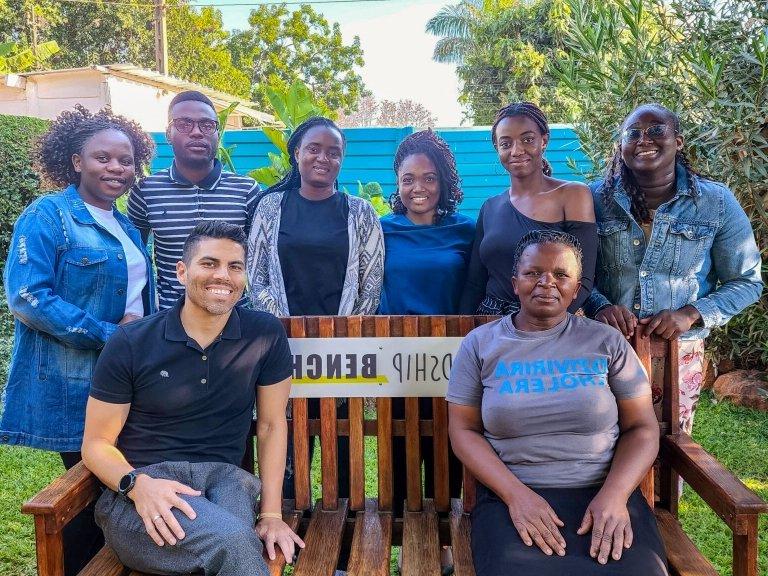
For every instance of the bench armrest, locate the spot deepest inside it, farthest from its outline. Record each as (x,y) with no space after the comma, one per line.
(63,498)
(718,487)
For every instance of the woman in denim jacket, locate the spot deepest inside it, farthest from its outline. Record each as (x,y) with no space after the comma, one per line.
(76,269)
(677,254)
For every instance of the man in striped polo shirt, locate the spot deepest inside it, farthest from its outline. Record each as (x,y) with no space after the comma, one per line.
(169,203)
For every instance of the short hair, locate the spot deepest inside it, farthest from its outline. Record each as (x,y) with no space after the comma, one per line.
(528,110)
(215,229)
(538,237)
(190,96)
(437,150)
(68,134)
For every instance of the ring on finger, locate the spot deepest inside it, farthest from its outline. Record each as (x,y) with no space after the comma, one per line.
(155,518)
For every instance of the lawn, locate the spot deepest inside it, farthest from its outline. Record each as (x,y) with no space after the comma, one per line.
(737,436)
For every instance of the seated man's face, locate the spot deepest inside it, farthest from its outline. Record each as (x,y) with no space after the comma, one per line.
(214,277)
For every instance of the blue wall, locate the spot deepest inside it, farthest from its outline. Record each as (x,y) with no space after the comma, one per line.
(370,152)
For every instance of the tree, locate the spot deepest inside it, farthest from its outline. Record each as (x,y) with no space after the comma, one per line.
(282,46)
(501,50)
(405,112)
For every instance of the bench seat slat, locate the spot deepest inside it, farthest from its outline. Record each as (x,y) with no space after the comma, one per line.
(371,542)
(323,541)
(421,542)
(460,540)
(683,557)
(105,563)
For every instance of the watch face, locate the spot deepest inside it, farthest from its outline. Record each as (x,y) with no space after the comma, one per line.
(125,482)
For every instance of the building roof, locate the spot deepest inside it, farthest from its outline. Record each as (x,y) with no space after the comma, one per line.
(152,78)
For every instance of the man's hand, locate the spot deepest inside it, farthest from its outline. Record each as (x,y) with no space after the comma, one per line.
(275,531)
(670,324)
(619,317)
(536,521)
(154,498)
(608,518)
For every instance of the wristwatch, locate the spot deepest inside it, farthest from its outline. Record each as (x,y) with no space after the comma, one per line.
(126,484)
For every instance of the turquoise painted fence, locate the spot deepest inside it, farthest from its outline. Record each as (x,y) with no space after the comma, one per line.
(370,152)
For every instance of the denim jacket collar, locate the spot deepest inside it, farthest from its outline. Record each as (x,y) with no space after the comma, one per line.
(174,330)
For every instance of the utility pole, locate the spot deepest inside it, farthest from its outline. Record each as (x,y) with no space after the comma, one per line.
(32,22)
(161,38)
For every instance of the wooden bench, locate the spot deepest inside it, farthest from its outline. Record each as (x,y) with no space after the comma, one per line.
(363,527)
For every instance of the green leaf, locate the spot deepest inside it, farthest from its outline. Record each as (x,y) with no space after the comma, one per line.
(277,137)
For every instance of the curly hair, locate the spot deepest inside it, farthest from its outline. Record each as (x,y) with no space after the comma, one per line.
(292,180)
(439,153)
(532,112)
(69,133)
(617,171)
(537,237)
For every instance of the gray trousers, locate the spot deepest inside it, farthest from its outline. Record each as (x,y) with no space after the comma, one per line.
(220,541)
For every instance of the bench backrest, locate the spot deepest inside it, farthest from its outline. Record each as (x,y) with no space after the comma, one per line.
(653,354)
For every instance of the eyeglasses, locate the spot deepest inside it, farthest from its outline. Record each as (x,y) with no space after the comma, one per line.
(186,125)
(654,131)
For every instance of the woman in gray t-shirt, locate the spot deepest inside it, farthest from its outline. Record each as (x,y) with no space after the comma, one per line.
(552,414)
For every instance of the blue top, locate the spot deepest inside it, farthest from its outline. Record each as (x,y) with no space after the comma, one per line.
(701,252)
(425,266)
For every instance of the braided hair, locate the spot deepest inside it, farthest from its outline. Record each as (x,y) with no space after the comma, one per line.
(530,111)
(69,133)
(439,153)
(617,171)
(292,180)
(537,237)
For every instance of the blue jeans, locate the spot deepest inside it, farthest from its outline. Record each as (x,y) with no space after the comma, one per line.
(221,540)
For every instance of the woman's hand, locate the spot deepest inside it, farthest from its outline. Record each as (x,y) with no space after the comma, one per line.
(275,531)
(670,324)
(608,518)
(536,521)
(619,317)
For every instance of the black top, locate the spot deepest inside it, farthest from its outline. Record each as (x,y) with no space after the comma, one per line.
(189,404)
(500,226)
(313,246)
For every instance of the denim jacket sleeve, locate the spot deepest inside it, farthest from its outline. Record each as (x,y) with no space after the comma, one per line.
(30,280)
(595,302)
(736,263)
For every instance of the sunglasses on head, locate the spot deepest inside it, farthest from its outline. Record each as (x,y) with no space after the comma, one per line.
(653,132)
(186,125)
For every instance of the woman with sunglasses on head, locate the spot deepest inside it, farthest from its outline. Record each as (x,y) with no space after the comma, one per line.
(533,201)
(315,251)
(76,269)
(677,253)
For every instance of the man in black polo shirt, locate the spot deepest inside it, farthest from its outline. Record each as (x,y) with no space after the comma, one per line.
(194,189)
(166,424)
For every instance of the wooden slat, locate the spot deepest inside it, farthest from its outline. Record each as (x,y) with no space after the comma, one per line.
(329,473)
(356,436)
(642,347)
(460,540)
(468,495)
(371,542)
(421,542)
(323,541)
(440,454)
(105,563)
(277,565)
(682,555)
(669,483)
(301,454)
(412,455)
(384,433)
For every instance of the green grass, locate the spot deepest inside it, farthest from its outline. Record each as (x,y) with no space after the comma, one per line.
(737,436)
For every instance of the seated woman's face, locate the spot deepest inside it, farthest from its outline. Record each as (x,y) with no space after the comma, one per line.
(520,145)
(418,184)
(547,279)
(649,142)
(319,156)
(107,168)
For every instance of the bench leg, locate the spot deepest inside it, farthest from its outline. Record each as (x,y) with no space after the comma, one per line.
(745,548)
(50,550)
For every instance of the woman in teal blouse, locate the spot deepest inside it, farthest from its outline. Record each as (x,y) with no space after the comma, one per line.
(427,243)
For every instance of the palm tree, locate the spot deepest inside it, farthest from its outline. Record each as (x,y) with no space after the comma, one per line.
(454,24)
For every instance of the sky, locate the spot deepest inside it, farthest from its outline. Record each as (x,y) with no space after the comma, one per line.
(397,50)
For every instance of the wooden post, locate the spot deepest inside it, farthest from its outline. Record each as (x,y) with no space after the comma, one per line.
(161,38)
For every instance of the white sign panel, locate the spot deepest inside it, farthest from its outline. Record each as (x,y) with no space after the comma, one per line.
(370,367)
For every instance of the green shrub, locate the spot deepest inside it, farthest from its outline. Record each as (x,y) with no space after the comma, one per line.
(19,185)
